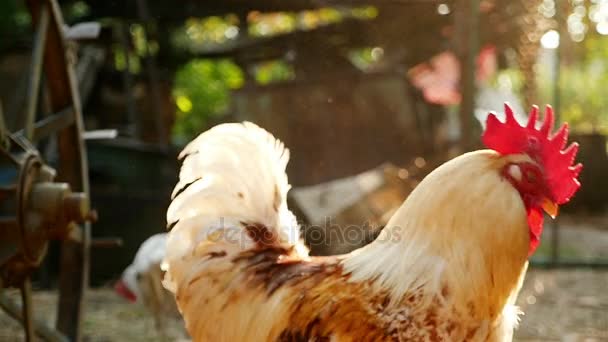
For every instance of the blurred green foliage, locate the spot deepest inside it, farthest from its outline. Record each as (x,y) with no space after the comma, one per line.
(201,91)
(142,47)
(308,20)
(584,101)
(199,34)
(273,71)
(202,86)
(364,12)
(583,97)
(202,34)
(75,11)
(14,22)
(8,8)
(364,58)
(271,24)
(123,57)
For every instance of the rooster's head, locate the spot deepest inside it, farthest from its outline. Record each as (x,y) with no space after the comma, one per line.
(546,178)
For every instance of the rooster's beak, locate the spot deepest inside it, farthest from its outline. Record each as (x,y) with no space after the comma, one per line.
(550,207)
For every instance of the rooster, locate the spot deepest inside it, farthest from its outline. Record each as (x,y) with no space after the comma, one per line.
(447,267)
(141,282)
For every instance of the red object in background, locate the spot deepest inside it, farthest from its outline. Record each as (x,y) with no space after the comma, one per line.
(486,63)
(124,291)
(439,78)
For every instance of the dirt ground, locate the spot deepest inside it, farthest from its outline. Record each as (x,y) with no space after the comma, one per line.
(569,306)
(559,305)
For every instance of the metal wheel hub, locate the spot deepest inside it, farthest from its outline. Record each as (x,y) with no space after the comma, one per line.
(37,210)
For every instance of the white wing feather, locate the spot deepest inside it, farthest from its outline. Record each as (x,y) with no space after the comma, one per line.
(231,174)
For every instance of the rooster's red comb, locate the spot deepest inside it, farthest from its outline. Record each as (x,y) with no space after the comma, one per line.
(510,137)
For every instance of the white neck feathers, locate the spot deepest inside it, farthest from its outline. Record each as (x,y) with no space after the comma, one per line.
(463,230)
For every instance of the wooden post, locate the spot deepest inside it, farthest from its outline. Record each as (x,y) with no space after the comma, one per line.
(556,109)
(467,45)
(153,75)
(121,30)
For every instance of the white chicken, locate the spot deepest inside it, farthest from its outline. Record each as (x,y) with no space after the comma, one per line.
(141,282)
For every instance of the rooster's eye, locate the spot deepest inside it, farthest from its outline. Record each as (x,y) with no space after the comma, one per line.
(531,177)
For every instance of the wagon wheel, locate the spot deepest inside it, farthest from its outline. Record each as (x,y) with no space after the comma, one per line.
(40,204)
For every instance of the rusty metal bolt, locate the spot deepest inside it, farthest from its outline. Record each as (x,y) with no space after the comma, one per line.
(76,207)
(92,216)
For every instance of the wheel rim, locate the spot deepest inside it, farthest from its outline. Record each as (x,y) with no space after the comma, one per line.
(49,55)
